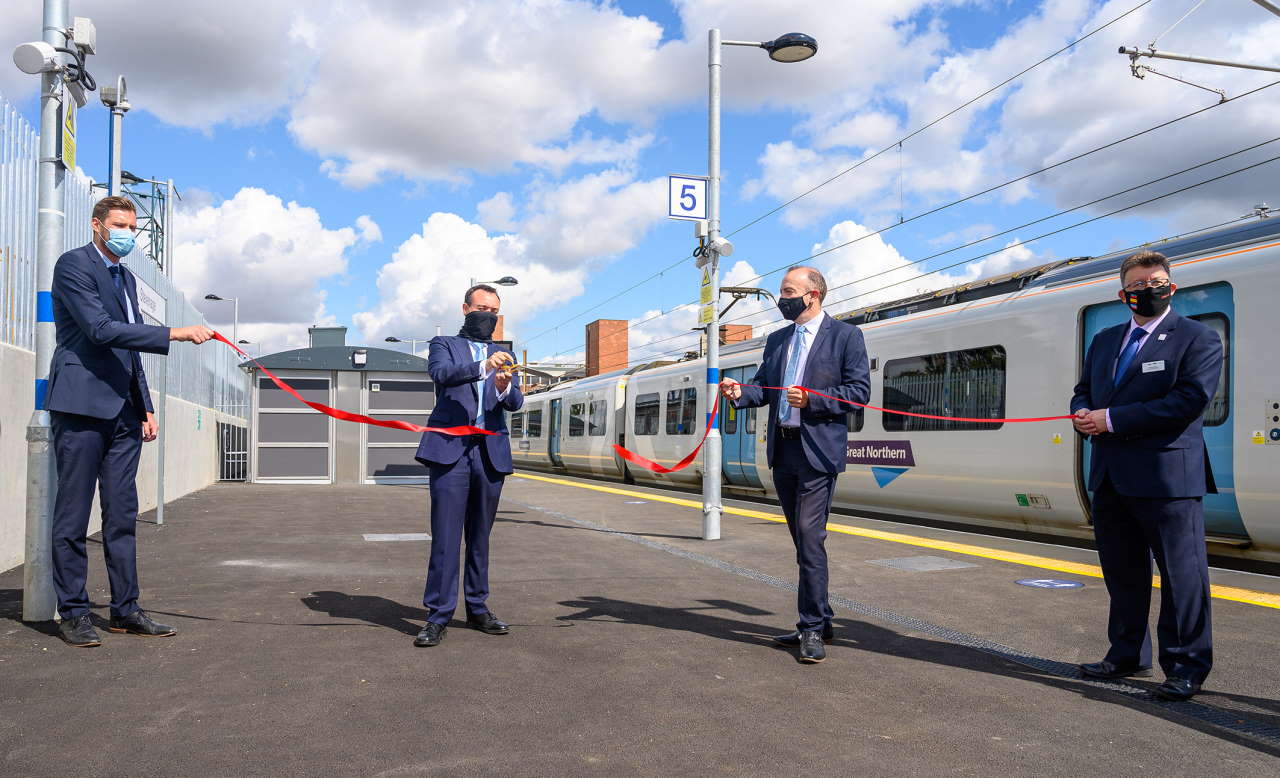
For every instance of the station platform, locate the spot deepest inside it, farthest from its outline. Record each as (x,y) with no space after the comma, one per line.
(636,649)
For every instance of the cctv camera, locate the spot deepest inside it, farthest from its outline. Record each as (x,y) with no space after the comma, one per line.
(35,57)
(722,247)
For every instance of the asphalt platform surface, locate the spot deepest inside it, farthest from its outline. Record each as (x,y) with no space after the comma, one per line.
(636,649)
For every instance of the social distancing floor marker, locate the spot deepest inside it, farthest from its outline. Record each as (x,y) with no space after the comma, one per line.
(1232,593)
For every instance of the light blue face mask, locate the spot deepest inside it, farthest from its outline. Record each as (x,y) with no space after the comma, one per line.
(121,242)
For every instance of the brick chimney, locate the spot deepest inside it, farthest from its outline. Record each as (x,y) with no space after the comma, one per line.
(606,345)
(734,333)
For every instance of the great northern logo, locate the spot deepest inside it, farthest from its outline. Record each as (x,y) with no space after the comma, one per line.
(892,453)
(888,458)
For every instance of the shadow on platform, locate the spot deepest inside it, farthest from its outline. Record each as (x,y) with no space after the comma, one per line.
(865,636)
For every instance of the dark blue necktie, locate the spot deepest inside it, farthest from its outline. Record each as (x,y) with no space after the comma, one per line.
(1130,351)
(116,278)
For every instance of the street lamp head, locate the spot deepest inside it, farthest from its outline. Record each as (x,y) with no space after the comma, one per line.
(391,339)
(506,281)
(212,297)
(244,342)
(791,47)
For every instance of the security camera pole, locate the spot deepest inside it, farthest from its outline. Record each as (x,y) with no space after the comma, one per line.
(39,601)
(114,98)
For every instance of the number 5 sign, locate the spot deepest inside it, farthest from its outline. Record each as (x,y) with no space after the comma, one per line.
(687,197)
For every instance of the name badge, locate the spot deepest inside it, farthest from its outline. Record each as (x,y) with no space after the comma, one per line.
(1153,367)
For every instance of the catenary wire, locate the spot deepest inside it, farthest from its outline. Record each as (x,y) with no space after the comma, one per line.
(941,118)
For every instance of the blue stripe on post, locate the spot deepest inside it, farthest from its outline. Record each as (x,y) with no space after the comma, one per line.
(42,386)
(44,306)
(713,375)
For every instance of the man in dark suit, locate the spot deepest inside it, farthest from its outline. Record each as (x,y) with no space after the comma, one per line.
(474,386)
(101,413)
(1140,401)
(807,433)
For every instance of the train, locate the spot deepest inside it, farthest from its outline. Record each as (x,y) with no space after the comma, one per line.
(1003,347)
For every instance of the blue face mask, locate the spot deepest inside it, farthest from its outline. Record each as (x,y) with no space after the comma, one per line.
(120,243)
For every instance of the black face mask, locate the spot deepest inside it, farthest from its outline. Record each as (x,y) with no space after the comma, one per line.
(479,325)
(1149,302)
(792,307)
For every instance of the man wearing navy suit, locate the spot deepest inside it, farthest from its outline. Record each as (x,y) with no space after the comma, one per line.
(1141,399)
(473,388)
(807,433)
(101,413)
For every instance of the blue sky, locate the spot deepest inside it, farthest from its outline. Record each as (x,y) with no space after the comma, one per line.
(356,163)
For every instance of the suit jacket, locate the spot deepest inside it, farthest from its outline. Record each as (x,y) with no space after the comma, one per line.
(95,365)
(836,365)
(1157,447)
(455,371)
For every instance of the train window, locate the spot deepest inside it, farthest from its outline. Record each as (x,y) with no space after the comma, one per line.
(647,413)
(856,420)
(967,383)
(599,415)
(517,425)
(682,408)
(533,424)
(728,418)
(577,420)
(1220,405)
(749,420)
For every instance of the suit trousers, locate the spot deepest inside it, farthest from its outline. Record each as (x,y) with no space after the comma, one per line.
(464,502)
(102,452)
(1129,532)
(805,495)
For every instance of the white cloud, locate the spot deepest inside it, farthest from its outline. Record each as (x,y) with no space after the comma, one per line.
(498,213)
(270,254)
(192,64)
(370,232)
(422,286)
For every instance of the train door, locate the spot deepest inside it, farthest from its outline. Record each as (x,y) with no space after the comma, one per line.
(738,430)
(1214,306)
(553,435)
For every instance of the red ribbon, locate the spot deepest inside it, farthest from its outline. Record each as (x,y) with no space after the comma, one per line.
(652,466)
(342,415)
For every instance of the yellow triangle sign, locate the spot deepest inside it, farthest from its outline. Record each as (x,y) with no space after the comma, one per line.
(69,124)
(706,277)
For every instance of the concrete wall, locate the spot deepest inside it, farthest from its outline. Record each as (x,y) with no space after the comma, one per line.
(191,452)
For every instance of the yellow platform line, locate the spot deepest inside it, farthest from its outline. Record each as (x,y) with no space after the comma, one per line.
(1232,593)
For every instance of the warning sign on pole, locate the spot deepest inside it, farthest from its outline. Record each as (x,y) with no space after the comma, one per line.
(706,314)
(67,135)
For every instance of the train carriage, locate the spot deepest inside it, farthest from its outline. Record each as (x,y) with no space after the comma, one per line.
(1006,347)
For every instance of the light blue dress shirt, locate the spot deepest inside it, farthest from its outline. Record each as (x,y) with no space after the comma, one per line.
(806,343)
(128,306)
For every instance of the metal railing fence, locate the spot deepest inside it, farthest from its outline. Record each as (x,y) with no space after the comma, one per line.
(209,375)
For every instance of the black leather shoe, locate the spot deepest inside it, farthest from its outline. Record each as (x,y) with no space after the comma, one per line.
(139,623)
(488,624)
(1177,689)
(1105,669)
(793,638)
(811,649)
(79,632)
(431,635)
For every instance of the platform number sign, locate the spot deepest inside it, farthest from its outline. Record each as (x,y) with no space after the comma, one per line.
(687,197)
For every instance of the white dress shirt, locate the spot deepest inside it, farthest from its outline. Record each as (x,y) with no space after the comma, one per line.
(128,306)
(1148,328)
(806,343)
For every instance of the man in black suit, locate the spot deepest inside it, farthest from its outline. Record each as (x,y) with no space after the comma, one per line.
(808,434)
(1140,401)
(101,413)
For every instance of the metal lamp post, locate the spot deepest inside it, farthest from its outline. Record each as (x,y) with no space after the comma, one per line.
(791,47)
(235,312)
(116,99)
(413,342)
(504,281)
